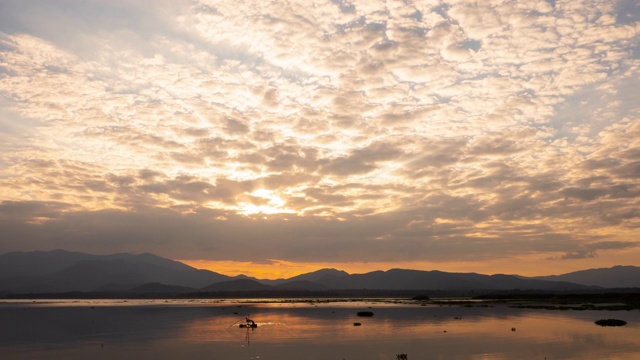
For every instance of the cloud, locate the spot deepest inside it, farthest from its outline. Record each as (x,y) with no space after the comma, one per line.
(322,131)
(589,250)
(582,254)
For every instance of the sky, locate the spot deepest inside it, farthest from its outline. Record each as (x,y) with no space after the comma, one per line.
(273,138)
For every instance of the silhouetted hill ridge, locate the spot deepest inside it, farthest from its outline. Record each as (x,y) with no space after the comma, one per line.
(61,271)
(157,288)
(301,285)
(395,279)
(314,276)
(620,276)
(236,285)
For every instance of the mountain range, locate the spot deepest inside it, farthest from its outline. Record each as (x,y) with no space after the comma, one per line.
(615,277)
(62,271)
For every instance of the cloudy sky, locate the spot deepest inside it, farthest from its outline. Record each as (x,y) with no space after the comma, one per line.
(272,138)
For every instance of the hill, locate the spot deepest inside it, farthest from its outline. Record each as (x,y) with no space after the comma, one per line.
(62,271)
(59,271)
(157,288)
(236,285)
(400,279)
(614,277)
(314,276)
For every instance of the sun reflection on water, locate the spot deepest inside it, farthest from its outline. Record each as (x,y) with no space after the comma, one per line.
(155,329)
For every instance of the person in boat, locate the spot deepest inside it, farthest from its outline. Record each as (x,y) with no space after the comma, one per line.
(250,322)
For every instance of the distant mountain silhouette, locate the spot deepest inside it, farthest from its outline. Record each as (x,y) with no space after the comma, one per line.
(236,285)
(399,279)
(301,285)
(157,288)
(615,277)
(315,276)
(61,271)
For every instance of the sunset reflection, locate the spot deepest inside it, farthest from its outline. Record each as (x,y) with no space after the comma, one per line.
(488,333)
(308,329)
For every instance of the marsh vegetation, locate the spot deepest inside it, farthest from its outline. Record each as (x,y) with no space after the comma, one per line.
(611,322)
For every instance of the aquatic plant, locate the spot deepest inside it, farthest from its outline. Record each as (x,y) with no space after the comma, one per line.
(611,322)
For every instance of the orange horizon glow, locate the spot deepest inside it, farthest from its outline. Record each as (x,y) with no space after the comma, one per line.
(523,265)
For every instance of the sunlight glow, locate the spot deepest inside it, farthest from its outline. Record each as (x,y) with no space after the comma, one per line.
(274,204)
(439,134)
(528,265)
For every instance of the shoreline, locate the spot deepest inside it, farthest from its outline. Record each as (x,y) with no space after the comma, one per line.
(579,302)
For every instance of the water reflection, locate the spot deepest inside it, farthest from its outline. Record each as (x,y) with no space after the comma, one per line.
(309,331)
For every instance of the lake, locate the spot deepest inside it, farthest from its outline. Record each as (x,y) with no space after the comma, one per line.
(209,329)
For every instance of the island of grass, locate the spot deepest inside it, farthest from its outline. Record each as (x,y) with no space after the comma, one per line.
(613,301)
(365,313)
(611,322)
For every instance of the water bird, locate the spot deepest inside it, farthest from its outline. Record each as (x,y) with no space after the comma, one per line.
(249,324)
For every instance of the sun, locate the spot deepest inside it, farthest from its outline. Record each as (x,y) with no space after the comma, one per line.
(263,201)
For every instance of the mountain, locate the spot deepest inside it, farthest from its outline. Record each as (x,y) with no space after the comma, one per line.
(396,279)
(38,263)
(614,277)
(315,276)
(301,285)
(63,271)
(157,288)
(400,279)
(237,285)
(319,275)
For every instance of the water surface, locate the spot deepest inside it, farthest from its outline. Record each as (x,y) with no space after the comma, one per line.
(207,329)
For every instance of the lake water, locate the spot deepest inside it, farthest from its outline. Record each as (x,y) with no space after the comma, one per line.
(209,329)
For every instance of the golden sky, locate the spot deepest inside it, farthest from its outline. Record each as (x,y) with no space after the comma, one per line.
(273,138)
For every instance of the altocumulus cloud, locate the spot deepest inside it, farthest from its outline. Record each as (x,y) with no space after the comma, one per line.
(321,130)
